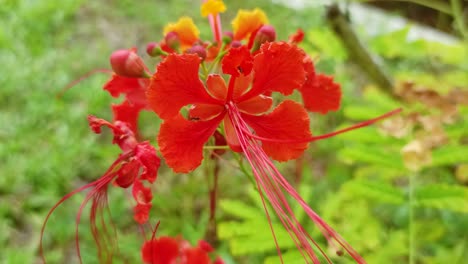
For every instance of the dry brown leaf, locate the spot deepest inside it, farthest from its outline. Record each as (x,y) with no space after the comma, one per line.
(416,155)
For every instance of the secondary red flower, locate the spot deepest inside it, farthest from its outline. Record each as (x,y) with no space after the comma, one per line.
(137,164)
(133,87)
(169,250)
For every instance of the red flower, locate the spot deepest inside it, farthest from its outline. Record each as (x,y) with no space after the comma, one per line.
(176,84)
(243,106)
(168,250)
(134,89)
(137,163)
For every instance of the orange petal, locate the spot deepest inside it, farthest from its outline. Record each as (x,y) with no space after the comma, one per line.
(216,86)
(320,94)
(186,29)
(278,67)
(246,22)
(176,84)
(241,86)
(204,111)
(181,141)
(256,105)
(231,135)
(289,121)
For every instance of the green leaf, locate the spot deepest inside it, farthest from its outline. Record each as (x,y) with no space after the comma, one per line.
(380,192)
(327,43)
(442,196)
(372,155)
(293,257)
(250,237)
(239,209)
(449,155)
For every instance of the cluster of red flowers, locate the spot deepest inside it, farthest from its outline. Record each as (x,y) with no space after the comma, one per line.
(222,89)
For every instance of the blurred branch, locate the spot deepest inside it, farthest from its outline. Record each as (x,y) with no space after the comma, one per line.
(436,5)
(357,51)
(457,11)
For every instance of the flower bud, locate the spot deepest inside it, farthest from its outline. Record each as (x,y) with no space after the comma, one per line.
(265,33)
(228,37)
(199,50)
(154,50)
(236,44)
(172,40)
(127,63)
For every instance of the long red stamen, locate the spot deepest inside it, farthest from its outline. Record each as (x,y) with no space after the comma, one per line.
(272,184)
(324,136)
(216,27)
(95,193)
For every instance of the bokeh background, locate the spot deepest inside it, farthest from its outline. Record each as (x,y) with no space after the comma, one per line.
(396,191)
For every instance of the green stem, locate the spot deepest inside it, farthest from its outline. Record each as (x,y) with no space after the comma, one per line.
(218,58)
(215,147)
(411,218)
(246,172)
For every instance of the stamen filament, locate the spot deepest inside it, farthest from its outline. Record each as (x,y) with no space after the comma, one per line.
(324,136)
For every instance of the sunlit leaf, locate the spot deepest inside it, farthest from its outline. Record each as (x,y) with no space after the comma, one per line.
(379,192)
(442,196)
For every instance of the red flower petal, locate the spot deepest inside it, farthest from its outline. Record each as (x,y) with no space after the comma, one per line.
(237,61)
(133,88)
(149,161)
(278,67)
(297,37)
(163,250)
(204,111)
(141,213)
(216,86)
(127,113)
(195,256)
(289,121)
(141,194)
(176,84)
(241,86)
(231,135)
(127,174)
(321,94)
(256,105)
(181,141)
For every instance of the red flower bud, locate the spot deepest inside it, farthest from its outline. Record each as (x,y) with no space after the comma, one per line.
(265,33)
(153,49)
(236,44)
(127,63)
(228,36)
(199,50)
(172,40)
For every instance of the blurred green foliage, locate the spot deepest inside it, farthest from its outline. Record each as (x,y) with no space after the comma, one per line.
(359,181)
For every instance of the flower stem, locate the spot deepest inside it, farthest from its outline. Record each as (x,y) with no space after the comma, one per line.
(411,218)
(212,172)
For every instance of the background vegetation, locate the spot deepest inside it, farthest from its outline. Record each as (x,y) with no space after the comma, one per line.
(397,191)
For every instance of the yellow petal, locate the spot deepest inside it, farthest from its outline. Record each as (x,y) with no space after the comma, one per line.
(212,7)
(186,29)
(247,21)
